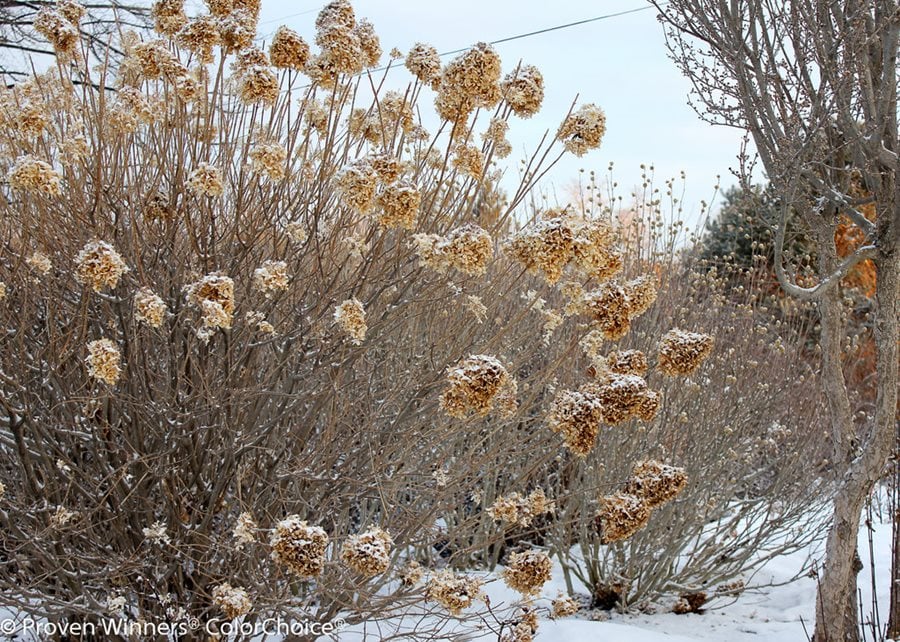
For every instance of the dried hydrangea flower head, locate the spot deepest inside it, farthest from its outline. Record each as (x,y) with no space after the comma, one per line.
(58,31)
(469,81)
(468,249)
(299,547)
(627,362)
(296,232)
(356,185)
(368,553)
(387,166)
(99,266)
(563,606)
(594,249)
(476,385)
(523,89)
(233,600)
(258,84)
(351,318)
(337,37)
(33,175)
(519,510)
(410,575)
(469,160)
(71,11)
(681,353)
(620,516)
(244,530)
(288,50)
(613,306)
(655,482)
(527,571)
(269,159)
(237,30)
(547,246)
(576,415)
(523,627)
(271,277)
(640,294)
(368,43)
(40,263)
(200,36)
(394,110)
(31,118)
(454,592)
(399,204)
(206,179)
(168,16)
(583,130)
(214,295)
(103,361)
(424,63)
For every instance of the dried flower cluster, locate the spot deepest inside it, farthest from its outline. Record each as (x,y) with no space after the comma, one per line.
(207,180)
(33,175)
(351,318)
(288,50)
(103,361)
(469,160)
(576,415)
(627,362)
(656,483)
(469,81)
(467,249)
(613,306)
(399,205)
(368,553)
(476,385)
(233,600)
(623,396)
(516,509)
(523,627)
(271,277)
(269,160)
(99,266)
(583,130)
(453,592)
(200,36)
(523,89)
(410,575)
(299,547)
(58,31)
(621,516)
(214,295)
(527,571)
(244,530)
(424,63)
(356,184)
(168,16)
(563,606)
(681,353)
(149,308)
(40,263)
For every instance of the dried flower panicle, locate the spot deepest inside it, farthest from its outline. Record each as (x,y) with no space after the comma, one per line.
(563,606)
(237,30)
(99,266)
(469,81)
(469,160)
(58,31)
(519,510)
(206,179)
(71,11)
(40,263)
(424,63)
(214,295)
(288,50)
(544,247)
(523,627)
(655,482)
(682,353)
(244,531)
(410,575)
(149,307)
(356,185)
(200,36)
(368,553)
(527,571)
(627,362)
(594,249)
(33,175)
(369,43)
(269,159)
(577,416)
(104,361)
(233,600)
(476,385)
(258,84)
(468,249)
(620,516)
(523,89)
(271,277)
(454,592)
(583,130)
(399,204)
(351,318)
(338,39)
(613,306)
(168,16)
(296,232)
(299,547)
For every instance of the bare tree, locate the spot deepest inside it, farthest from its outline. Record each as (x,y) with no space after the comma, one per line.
(19,41)
(814,84)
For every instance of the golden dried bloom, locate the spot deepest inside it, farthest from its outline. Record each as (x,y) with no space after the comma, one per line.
(258,84)
(33,175)
(424,63)
(103,361)
(71,11)
(74,148)
(527,571)
(519,510)
(576,415)
(150,57)
(546,247)
(475,385)
(61,33)
(271,277)
(399,204)
(523,89)
(237,30)
(200,36)
(469,160)
(156,207)
(341,48)
(641,294)
(627,362)
(168,16)
(62,517)
(245,529)
(583,130)
(2,290)
(394,110)
(338,13)
(99,265)
(368,42)
(469,81)
(269,159)
(206,179)
(681,353)
(656,483)
(356,184)
(316,116)
(233,600)
(563,606)
(248,58)
(387,166)
(496,134)
(608,308)
(296,232)
(149,308)
(620,516)
(410,575)
(622,396)
(368,553)
(39,263)
(30,119)
(214,295)
(299,547)
(220,8)
(594,251)
(351,318)
(288,50)
(524,627)
(454,592)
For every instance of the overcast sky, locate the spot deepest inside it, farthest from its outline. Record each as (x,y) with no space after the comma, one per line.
(619,63)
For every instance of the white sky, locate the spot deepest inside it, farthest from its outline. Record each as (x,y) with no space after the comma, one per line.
(620,64)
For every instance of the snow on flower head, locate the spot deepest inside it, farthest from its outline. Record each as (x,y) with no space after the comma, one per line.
(351,318)
(368,553)
(99,266)
(103,361)
(299,547)
(681,352)
(583,130)
(478,384)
